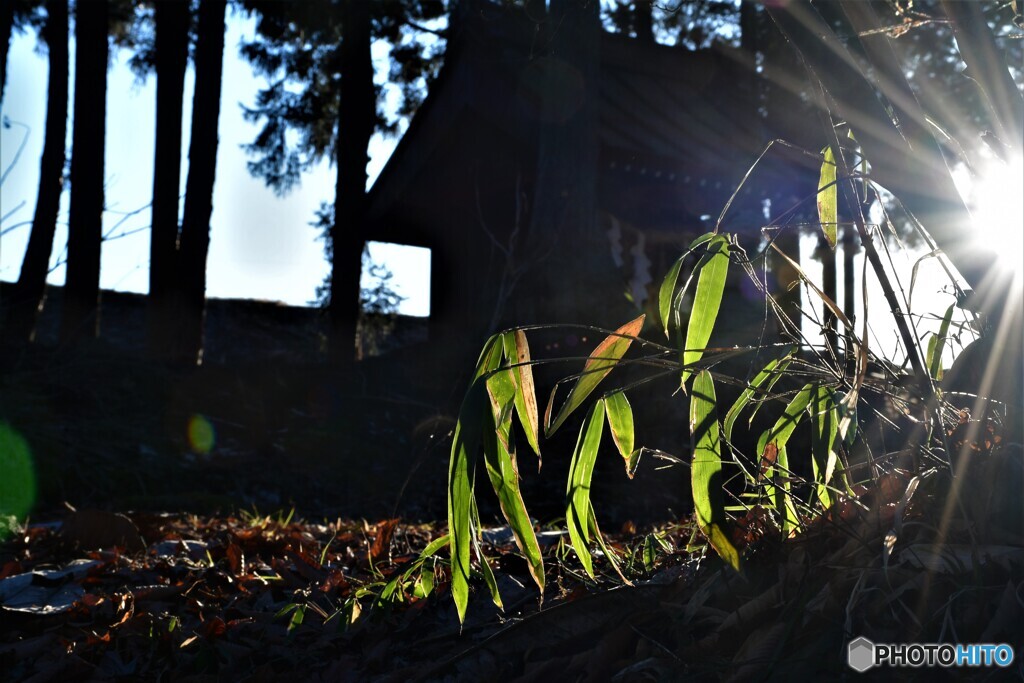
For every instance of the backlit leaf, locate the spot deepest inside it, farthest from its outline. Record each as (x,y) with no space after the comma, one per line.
(577,493)
(776,438)
(824,427)
(937,345)
(500,463)
(668,288)
(517,350)
(719,540)
(608,552)
(791,417)
(468,429)
(488,573)
(620,421)
(827,197)
(706,302)
(772,371)
(668,285)
(706,470)
(435,545)
(605,357)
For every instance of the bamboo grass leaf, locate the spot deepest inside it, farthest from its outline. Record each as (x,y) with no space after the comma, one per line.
(825,426)
(501,390)
(488,573)
(435,545)
(937,345)
(668,285)
(465,444)
(791,417)
(772,451)
(500,463)
(706,470)
(720,541)
(770,374)
(460,489)
(605,357)
(517,350)
(608,552)
(577,493)
(847,418)
(668,288)
(706,302)
(827,198)
(490,357)
(620,422)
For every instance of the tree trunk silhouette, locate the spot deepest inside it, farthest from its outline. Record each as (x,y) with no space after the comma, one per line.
(6,28)
(356,115)
(195,226)
(80,317)
(172,26)
(643,20)
(30,290)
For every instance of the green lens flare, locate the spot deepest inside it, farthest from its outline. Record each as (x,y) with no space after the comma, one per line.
(201,436)
(17,479)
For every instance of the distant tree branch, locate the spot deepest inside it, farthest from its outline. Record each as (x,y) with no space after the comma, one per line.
(440,33)
(17,155)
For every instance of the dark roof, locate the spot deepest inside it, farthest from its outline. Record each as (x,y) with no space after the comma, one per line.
(680,122)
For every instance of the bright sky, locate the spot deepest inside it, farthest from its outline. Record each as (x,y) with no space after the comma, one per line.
(261,246)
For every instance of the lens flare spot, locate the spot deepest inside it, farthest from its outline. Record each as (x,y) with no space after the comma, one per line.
(201,436)
(17,479)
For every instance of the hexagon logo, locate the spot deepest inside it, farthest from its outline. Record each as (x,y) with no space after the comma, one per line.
(860,654)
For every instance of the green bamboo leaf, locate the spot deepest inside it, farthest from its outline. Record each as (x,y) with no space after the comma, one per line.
(773,370)
(847,419)
(577,492)
(791,417)
(500,463)
(460,490)
(827,197)
(468,430)
(488,573)
(608,552)
(605,357)
(425,583)
(937,345)
(501,390)
(706,302)
(775,377)
(490,357)
(668,288)
(706,470)
(773,460)
(633,461)
(825,426)
(620,421)
(668,285)
(720,541)
(435,545)
(771,449)
(650,555)
(517,350)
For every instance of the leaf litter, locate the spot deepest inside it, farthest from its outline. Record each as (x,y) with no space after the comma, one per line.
(265,598)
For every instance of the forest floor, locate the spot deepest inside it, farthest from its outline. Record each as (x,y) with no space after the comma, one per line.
(245,597)
(333,584)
